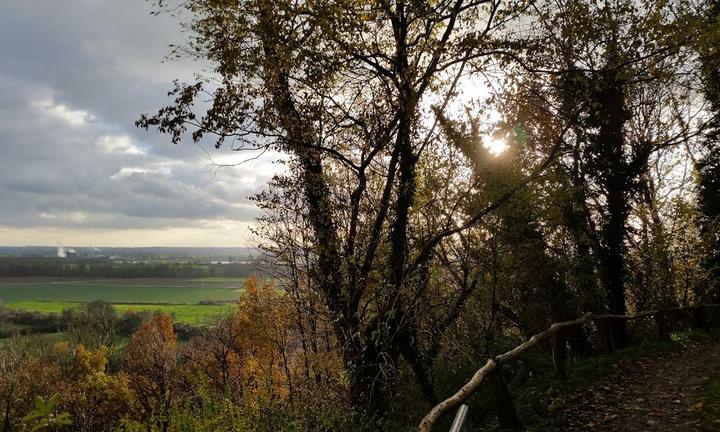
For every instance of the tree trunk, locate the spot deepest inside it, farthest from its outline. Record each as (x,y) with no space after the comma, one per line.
(507,415)
(614,178)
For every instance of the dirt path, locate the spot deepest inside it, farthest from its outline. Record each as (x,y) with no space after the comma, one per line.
(651,394)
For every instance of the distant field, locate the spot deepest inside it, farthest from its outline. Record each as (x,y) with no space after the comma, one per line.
(191,314)
(176,296)
(175,291)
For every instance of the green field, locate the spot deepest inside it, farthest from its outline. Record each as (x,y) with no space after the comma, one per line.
(180,297)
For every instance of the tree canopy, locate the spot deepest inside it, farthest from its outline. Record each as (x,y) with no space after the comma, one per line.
(397,230)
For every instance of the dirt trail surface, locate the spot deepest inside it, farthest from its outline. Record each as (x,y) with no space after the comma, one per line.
(662,393)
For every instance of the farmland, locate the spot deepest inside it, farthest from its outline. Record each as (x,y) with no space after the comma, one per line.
(194,301)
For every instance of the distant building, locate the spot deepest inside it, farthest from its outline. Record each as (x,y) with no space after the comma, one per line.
(66,253)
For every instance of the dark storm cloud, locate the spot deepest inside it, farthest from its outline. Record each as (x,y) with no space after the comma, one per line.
(74,77)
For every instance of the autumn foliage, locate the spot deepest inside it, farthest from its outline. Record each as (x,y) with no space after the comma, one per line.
(252,366)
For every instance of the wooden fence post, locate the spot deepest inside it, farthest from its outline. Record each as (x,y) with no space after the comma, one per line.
(507,416)
(711,315)
(559,354)
(605,328)
(663,326)
(700,318)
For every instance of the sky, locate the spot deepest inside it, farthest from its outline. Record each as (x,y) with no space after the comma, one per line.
(74,169)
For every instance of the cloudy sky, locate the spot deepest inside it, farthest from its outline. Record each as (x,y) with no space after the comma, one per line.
(74,170)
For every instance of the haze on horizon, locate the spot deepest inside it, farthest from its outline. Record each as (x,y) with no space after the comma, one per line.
(75,170)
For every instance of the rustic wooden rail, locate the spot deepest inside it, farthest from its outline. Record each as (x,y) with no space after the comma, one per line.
(492,370)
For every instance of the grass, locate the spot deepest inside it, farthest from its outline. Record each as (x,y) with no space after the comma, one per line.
(122,291)
(191,314)
(710,421)
(179,297)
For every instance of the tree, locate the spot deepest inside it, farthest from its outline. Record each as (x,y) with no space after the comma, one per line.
(43,415)
(709,165)
(537,292)
(344,88)
(23,377)
(389,220)
(623,65)
(11,359)
(153,369)
(95,399)
(247,353)
(95,324)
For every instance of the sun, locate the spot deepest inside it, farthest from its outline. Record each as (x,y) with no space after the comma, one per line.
(496,146)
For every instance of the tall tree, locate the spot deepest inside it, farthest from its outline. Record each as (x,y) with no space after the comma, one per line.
(709,165)
(152,364)
(608,58)
(344,87)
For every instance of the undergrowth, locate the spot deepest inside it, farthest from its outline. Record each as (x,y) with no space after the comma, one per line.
(540,396)
(710,421)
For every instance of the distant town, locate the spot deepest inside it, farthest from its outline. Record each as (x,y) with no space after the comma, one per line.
(209,255)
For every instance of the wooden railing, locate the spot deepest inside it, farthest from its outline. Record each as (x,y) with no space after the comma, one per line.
(492,370)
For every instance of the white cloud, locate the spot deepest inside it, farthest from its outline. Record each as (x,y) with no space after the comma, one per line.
(119,144)
(69,216)
(74,167)
(62,112)
(128,171)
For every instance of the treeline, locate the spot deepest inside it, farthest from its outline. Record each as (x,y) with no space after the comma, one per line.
(248,371)
(94,268)
(82,324)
